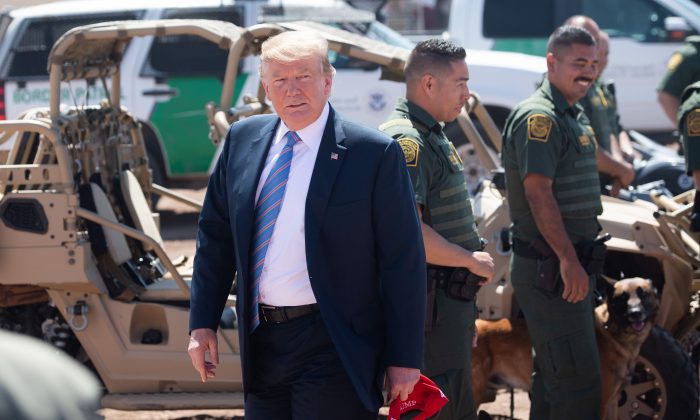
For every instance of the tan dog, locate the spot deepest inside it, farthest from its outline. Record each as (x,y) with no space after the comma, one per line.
(503,354)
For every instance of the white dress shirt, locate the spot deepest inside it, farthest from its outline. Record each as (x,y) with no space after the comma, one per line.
(285,278)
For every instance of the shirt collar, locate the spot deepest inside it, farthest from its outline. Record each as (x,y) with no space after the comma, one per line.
(420,114)
(560,104)
(311,134)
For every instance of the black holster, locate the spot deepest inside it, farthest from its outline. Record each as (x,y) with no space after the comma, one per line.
(591,254)
(458,283)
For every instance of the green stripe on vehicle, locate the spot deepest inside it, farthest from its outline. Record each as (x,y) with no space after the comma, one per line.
(182,125)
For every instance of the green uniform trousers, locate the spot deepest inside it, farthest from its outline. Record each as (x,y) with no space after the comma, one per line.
(566,377)
(456,385)
(448,357)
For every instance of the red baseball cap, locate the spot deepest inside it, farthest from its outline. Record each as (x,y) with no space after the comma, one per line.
(426,397)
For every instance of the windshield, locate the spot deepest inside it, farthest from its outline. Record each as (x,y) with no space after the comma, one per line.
(380,32)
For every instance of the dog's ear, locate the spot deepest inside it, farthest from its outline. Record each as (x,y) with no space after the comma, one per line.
(651,286)
(605,287)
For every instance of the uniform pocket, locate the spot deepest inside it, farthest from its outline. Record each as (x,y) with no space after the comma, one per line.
(570,355)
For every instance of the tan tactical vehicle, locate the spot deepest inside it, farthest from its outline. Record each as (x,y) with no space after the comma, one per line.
(81,257)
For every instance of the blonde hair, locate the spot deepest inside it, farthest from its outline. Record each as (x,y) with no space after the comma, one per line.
(295,45)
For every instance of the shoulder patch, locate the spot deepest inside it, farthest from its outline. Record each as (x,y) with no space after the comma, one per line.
(539,127)
(674,61)
(692,121)
(410,150)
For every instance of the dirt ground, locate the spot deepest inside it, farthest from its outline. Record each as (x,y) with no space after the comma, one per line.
(179,227)
(499,409)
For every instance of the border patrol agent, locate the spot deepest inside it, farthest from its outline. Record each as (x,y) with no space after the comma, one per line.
(596,107)
(689,126)
(610,95)
(682,69)
(436,90)
(549,157)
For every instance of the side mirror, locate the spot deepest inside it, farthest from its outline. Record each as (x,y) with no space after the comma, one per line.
(677,28)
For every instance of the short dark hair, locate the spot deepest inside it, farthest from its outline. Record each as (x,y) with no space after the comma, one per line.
(566,36)
(432,55)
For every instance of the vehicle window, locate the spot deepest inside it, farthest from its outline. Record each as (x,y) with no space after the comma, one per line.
(381,32)
(519,19)
(29,55)
(190,54)
(642,20)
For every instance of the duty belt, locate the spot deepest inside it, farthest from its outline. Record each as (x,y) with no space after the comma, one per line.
(457,282)
(524,249)
(591,254)
(441,275)
(282,314)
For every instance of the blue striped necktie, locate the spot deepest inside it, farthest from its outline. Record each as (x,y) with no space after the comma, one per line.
(266,211)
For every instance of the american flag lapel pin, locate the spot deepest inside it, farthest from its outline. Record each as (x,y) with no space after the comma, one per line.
(334,156)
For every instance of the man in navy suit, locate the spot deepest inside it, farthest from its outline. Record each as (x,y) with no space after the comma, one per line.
(316,216)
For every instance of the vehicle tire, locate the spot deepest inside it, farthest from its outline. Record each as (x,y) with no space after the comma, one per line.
(664,383)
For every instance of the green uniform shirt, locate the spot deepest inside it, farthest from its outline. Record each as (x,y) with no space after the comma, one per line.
(595,105)
(683,68)
(545,135)
(436,173)
(689,125)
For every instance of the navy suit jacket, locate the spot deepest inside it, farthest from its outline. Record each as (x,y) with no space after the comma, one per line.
(364,248)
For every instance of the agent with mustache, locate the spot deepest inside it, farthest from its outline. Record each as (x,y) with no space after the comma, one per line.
(613,168)
(549,156)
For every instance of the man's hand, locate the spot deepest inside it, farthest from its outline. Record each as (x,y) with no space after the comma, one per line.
(615,188)
(400,381)
(575,280)
(481,264)
(619,169)
(626,174)
(203,340)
